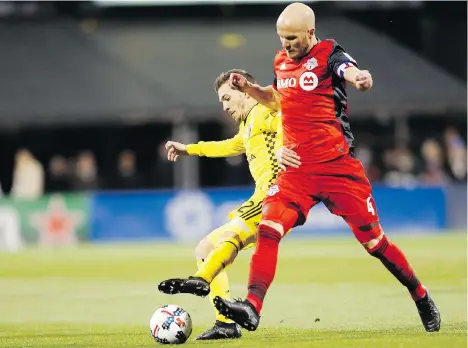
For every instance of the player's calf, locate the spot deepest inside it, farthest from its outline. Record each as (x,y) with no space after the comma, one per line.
(372,237)
(263,264)
(395,261)
(222,256)
(377,244)
(278,217)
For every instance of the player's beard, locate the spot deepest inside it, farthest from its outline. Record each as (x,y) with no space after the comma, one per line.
(297,53)
(303,50)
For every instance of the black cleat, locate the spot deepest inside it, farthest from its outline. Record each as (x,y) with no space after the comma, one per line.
(193,285)
(242,312)
(429,313)
(221,331)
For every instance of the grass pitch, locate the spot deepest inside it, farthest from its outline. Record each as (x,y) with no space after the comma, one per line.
(327,293)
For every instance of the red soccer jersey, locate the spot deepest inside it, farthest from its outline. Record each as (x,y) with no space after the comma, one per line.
(314,102)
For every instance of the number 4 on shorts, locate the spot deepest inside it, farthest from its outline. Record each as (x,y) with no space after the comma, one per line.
(370,208)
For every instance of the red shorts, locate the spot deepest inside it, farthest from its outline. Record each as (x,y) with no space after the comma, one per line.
(340,184)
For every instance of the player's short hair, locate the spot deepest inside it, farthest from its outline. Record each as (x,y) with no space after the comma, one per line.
(224,77)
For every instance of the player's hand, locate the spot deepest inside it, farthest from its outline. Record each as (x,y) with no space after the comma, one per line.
(238,82)
(174,150)
(364,80)
(287,157)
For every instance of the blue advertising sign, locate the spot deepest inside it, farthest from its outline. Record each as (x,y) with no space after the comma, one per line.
(188,215)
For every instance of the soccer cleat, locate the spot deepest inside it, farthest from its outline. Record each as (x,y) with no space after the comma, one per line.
(429,313)
(221,331)
(193,285)
(242,312)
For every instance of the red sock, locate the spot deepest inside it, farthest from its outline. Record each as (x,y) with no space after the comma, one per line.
(263,265)
(395,261)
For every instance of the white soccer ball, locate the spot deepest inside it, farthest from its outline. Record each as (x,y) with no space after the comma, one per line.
(170,324)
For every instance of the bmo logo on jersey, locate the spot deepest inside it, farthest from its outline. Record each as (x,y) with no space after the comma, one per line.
(290,82)
(308,81)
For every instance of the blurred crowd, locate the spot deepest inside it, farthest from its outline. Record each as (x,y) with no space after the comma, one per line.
(438,162)
(31,178)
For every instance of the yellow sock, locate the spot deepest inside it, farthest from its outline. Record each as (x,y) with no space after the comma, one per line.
(220,258)
(218,287)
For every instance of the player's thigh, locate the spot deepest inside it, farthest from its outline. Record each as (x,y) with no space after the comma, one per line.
(214,237)
(245,219)
(241,229)
(235,232)
(287,202)
(355,204)
(242,233)
(357,207)
(250,208)
(350,196)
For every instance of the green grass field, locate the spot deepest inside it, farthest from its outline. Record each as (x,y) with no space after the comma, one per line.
(327,293)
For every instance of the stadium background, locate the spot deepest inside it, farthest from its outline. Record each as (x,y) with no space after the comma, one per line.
(91,91)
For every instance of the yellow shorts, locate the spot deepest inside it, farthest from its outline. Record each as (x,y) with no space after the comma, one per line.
(243,221)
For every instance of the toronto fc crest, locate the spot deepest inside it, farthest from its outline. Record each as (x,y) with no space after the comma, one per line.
(311,64)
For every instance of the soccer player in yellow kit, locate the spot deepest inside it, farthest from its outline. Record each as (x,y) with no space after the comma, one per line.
(258,138)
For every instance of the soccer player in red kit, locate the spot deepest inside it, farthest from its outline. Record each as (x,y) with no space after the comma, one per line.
(309,88)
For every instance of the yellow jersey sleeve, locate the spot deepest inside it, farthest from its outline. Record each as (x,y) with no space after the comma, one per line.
(224,148)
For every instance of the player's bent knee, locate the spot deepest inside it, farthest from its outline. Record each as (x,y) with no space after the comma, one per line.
(280,215)
(232,237)
(373,242)
(275,225)
(378,249)
(372,238)
(367,234)
(203,249)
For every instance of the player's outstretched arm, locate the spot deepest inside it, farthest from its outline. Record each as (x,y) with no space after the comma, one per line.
(223,148)
(361,79)
(264,95)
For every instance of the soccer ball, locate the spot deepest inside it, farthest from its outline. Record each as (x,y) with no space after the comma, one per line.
(170,324)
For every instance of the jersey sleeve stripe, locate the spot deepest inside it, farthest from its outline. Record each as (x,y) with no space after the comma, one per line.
(341,69)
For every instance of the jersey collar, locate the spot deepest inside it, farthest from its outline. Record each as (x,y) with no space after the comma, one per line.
(248,114)
(318,41)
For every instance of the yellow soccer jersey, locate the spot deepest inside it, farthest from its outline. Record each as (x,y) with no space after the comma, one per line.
(259,136)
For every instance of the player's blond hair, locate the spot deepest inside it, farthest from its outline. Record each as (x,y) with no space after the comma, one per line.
(224,77)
